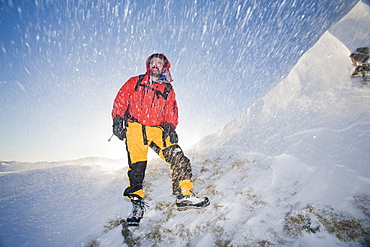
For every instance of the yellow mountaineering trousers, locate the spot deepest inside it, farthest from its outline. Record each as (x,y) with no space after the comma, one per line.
(138,139)
(135,140)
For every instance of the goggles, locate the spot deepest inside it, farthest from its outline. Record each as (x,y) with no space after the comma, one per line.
(156,63)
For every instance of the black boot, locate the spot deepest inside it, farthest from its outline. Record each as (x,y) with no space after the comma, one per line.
(137,213)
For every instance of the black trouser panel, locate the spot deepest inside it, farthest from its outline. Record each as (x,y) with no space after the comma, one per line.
(136,175)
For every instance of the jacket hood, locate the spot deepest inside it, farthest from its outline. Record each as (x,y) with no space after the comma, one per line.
(167,65)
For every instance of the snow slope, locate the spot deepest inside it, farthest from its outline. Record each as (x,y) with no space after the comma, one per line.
(58,203)
(293,170)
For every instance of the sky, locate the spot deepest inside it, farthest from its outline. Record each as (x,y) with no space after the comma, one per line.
(62,63)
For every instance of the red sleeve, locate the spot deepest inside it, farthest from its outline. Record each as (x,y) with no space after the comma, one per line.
(172,114)
(121,101)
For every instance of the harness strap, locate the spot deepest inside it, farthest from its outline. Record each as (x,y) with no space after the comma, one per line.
(141,77)
(158,93)
(130,117)
(145,138)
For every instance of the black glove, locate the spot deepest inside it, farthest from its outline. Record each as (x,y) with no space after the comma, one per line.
(118,129)
(169,130)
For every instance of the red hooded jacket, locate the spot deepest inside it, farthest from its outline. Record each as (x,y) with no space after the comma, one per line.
(149,104)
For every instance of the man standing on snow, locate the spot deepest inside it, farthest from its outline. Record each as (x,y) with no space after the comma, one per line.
(145,114)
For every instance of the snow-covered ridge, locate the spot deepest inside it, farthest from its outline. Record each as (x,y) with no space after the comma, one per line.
(317,97)
(317,94)
(14,166)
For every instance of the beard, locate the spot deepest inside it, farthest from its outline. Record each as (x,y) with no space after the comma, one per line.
(156,72)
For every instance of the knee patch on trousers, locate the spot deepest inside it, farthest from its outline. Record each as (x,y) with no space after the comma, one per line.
(179,163)
(174,154)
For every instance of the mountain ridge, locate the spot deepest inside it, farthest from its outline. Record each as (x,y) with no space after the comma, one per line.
(301,95)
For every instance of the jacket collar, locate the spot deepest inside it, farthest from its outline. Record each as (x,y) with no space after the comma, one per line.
(161,80)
